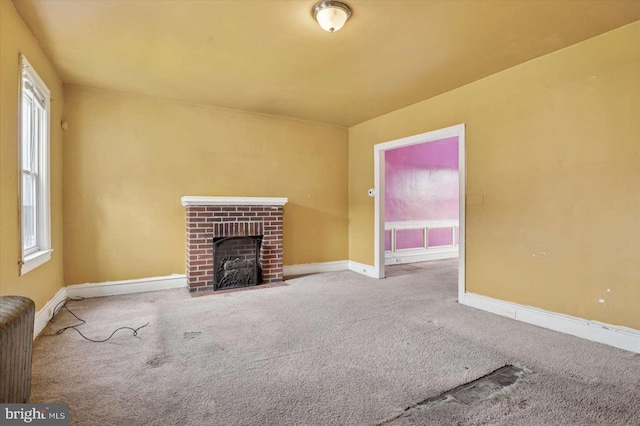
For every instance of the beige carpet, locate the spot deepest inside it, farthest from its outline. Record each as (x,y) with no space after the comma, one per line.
(327,349)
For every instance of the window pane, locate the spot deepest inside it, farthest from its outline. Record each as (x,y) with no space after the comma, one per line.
(26,132)
(28,211)
(36,129)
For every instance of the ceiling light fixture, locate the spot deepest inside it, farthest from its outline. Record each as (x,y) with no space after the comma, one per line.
(331,15)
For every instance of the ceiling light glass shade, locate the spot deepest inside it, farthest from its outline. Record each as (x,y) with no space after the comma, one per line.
(331,15)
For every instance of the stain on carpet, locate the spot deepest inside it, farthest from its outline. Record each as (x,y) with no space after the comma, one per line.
(191,334)
(469,393)
(157,361)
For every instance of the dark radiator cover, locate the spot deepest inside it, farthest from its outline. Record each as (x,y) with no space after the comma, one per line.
(16,344)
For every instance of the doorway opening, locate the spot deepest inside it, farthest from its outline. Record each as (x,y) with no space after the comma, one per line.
(405,231)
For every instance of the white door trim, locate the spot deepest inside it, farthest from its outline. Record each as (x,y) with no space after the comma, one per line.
(378,155)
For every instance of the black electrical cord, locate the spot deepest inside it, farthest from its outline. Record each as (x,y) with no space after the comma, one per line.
(63,304)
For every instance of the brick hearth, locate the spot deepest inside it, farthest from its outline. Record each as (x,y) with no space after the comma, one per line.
(213,217)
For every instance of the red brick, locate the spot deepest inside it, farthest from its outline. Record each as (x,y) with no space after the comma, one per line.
(227,221)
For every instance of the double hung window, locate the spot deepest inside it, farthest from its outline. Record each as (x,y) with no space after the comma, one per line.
(35,212)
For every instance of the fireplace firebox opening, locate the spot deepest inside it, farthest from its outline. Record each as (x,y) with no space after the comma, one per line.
(236,262)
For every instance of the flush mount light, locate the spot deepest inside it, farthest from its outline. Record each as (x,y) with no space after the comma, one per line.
(331,15)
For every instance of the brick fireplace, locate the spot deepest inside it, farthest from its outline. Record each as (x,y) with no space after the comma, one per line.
(212,219)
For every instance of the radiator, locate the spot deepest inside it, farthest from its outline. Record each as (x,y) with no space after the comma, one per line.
(16,343)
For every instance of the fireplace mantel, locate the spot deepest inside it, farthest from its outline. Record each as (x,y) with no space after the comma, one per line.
(233,201)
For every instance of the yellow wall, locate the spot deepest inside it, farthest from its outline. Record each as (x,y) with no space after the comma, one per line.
(553,146)
(129,159)
(43,282)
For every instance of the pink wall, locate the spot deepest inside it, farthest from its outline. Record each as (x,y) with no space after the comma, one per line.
(421,183)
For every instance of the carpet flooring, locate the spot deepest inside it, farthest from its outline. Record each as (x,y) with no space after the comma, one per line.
(326,349)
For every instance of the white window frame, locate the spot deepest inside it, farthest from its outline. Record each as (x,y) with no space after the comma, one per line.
(34,257)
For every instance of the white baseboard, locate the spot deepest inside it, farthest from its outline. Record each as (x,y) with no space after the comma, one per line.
(315,268)
(423,257)
(362,269)
(44,315)
(613,335)
(112,288)
(340,265)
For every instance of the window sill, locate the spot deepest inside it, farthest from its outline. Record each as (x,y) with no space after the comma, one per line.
(34,260)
